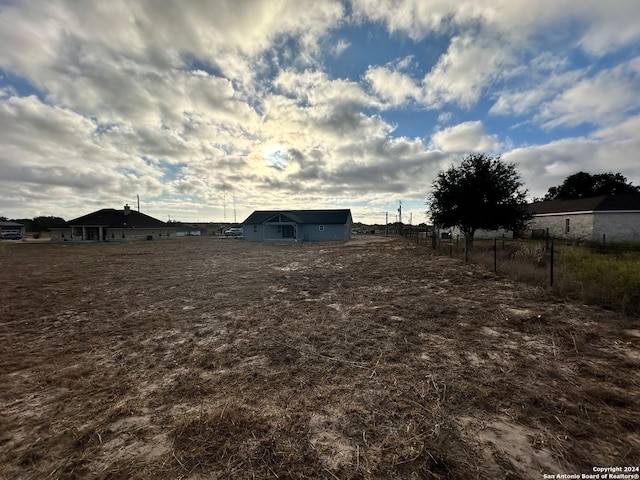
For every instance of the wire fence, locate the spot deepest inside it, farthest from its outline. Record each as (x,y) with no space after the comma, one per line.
(604,272)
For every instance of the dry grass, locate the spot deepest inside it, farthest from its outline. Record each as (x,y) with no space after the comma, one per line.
(606,276)
(203,358)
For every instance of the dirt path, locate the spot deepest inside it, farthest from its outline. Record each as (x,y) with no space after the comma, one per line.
(209,358)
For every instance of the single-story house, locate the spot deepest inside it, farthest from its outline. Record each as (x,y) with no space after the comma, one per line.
(608,217)
(187,230)
(111,225)
(298,225)
(481,233)
(201,228)
(11,231)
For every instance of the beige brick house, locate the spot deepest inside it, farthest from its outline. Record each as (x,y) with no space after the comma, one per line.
(110,225)
(613,218)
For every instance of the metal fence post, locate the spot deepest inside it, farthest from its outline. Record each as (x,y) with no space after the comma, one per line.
(466,248)
(547,239)
(551,266)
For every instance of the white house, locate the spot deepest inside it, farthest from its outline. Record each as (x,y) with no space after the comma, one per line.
(609,217)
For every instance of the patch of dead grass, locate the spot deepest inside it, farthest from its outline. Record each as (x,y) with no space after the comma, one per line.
(198,358)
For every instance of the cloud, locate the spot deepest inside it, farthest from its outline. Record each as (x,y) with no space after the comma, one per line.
(340,47)
(392,86)
(416,18)
(600,100)
(602,27)
(491,38)
(467,137)
(624,131)
(444,118)
(59,152)
(172,100)
(464,70)
(530,88)
(544,166)
(610,26)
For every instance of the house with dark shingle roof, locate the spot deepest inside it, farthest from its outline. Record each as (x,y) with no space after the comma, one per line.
(11,231)
(612,217)
(111,225)
(298,225)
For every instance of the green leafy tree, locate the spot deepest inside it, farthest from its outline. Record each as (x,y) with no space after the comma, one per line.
(585,185)
(484,192)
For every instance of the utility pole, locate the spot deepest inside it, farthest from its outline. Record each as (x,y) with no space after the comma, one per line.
(400,212)
(224,202)
(386,223)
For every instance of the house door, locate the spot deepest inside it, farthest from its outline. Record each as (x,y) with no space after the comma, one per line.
(288,231)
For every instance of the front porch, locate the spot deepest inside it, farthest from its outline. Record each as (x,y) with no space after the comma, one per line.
(97,233)
(280,231)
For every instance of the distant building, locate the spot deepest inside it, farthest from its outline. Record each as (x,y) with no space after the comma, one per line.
(616,217)
(298,225)
(481,233)
(11,231)
(201,228)
(110,225)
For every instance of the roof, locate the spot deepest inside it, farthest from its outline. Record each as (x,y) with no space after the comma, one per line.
(112,218)
(11,224)
(302,216)
(591,204)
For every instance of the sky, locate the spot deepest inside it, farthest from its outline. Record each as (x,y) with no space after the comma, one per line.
(209,110)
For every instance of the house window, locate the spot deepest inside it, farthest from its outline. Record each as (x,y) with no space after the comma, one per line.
(279,228)
(255,229)
(567,225)
(321,228)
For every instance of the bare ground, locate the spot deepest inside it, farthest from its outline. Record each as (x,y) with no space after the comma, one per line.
(207,358)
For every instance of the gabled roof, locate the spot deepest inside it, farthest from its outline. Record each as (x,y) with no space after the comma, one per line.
(301,216)
(591,204)
(112,218)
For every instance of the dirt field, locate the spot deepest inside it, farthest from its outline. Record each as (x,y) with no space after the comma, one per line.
(209,358)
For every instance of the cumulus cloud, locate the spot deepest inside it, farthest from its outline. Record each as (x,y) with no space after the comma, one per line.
(547,165)
(467,137)
(392,86)
(600,100)
(464,70)
(173,100)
